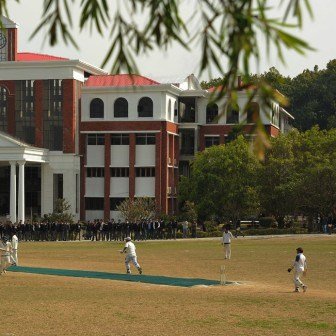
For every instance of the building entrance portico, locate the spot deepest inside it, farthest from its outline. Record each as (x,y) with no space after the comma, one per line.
(15,157)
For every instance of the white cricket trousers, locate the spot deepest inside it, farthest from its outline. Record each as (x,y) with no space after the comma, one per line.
(130,258)
(227,248)
(14,257)
(297,282)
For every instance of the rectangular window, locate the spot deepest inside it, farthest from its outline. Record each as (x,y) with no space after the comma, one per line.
(52,114)
(187,141)
(94,203)
(120,139)
(95,172)
(145,172)
(145,139)
(114,202)
(25,110)
(120,172)
(3,109)
(57,187)
(77,192)
(96,139)
(211,141)
(187,109)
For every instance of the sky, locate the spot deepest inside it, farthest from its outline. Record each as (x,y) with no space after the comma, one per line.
(177,63)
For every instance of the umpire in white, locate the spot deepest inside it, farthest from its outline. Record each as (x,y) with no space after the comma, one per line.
(14,254)
(129,249)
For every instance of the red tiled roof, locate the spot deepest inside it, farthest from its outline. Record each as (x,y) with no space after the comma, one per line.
(120,80)
(215,88)
(30,57)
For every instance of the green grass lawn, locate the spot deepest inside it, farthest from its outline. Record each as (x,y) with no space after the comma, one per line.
(263,305)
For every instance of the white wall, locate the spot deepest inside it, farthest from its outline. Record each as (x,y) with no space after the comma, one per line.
(132,98)
(95,156)
(119,187)
(94,214)
(145,155)
(116,215)
(242,100)
(94,187)
(68,165)
(170,116)
(119,155)
(145,186)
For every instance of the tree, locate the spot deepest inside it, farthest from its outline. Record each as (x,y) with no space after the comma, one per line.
(229,32)
(61,212)
(299,176)
(137,209)
(223,182)
(277,178)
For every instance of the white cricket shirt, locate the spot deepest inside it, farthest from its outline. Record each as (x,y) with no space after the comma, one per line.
(300,263)
(130,248)
(15,242)
(227,237)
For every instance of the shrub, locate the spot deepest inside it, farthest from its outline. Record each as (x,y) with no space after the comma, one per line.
(210,226)
(267,222)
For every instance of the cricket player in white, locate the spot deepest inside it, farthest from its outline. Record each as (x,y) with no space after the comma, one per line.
(227,236)
(300,267)
(14,256)
(5,250)
(129,249)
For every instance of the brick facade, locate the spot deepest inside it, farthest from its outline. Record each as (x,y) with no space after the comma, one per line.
(69,115)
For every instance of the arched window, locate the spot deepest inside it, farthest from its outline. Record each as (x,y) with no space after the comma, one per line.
(175,109)
(145,108)
(121,108)
(232,114)
(169,110)
(3,109)
(212,114)
(96,108)
(252,113)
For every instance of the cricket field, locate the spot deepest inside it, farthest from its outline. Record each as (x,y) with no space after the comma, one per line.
(262,304)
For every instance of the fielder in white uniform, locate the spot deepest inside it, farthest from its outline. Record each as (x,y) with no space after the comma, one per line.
(300,267)
(227,236)
(129,249)
(15,244)
(5,261)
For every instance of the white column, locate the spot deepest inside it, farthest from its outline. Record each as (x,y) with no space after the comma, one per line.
(21,198)
(12,211)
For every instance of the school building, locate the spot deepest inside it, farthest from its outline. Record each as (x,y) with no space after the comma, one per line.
(70,130)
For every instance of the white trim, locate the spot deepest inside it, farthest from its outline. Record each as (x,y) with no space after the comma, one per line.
(133,88)
(172,133)
(118,132)
(211,135)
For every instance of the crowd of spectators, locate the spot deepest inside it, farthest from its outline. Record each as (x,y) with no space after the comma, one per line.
(98,230)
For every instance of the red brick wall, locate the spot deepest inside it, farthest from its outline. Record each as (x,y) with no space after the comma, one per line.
(69,115)
(164,171)
(38,103)
(12,46)
(158,171)
(107,178)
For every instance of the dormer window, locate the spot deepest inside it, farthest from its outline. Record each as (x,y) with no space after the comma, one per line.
(97,108)
(145,108)
(212,114)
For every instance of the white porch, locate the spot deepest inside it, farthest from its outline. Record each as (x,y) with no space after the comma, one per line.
(16,153)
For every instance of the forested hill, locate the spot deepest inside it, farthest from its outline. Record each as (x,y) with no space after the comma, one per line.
(311,94)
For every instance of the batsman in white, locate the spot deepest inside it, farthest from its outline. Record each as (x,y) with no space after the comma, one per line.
(129,249)
(300,267)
